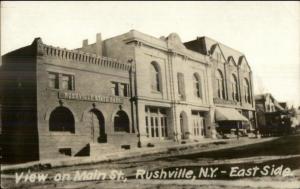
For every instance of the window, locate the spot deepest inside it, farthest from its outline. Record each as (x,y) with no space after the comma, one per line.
(220,85)
(67,82)
(234,88)
(121,122)
(197,86)
(181,85)
(198,124)
(53,80)
(156,122)
(120,89)
(125,89)
(155,77)
(62,81)
(247,91)
(115,88)
(61,119)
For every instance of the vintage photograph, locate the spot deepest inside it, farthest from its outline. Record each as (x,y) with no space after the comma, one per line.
(150,95)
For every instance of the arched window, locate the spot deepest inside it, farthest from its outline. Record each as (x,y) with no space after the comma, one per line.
(234,87)
(247,91)
(121,122)
(155,77)
(220,84)
(62,119)
(197,85)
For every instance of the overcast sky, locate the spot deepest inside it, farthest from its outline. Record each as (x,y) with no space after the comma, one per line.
(267,32)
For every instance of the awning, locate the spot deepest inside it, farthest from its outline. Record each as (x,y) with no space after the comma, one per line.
(229,114)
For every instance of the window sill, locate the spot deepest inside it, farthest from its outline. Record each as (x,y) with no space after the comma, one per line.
(156,92)
(61,133)
(59,90)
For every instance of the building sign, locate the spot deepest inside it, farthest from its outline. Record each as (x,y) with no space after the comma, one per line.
(90,97)
(222,101)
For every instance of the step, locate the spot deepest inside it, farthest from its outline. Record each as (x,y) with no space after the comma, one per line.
(97,149)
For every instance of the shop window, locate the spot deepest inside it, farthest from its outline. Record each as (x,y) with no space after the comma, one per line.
(62,119)
(156,122)
(53,80)
(121,122)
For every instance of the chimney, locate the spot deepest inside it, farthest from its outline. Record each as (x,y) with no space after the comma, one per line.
(85,43)
(98,44)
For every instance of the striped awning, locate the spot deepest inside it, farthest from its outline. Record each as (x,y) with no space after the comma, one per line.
(229,114)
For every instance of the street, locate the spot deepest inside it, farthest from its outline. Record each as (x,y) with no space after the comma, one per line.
(264,165)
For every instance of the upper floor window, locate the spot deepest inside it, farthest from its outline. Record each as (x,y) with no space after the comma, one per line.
(220,84)
(115,88)
(197,85)
(120,89)
(53,81)
(181,85)
(61,81)
(234,87)
(67,82)
(247,91)
(124,89)
(155,77)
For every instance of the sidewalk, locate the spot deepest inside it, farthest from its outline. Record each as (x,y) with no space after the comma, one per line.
(170,150)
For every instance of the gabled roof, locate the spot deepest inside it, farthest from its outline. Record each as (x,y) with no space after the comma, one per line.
(205,44)
(231,60)
(215,48)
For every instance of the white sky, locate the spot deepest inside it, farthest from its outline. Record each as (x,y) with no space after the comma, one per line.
(267,32)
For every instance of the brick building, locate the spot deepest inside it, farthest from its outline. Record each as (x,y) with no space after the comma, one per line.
(128,91)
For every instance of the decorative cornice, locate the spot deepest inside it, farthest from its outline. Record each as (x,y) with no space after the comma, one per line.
(80,57)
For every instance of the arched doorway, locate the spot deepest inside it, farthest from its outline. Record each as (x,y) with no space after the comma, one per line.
(96,122)
(183,125)
(121,122)
(62,119)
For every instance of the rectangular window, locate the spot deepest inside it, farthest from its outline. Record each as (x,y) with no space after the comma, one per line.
(162,127)
(115,88)
(125,89)
(156,127)
(147,126)
(53,80)
(166,126)
(152,127)
(181,85)
(67,82)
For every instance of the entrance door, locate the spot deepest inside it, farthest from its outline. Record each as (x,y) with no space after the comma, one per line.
(96,122)
(183,125)
(198,124)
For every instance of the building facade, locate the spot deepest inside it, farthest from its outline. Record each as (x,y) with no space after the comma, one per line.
(128,91)
(172,84)
(232,84)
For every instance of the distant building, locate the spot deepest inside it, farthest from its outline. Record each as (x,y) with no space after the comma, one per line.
(272,118)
